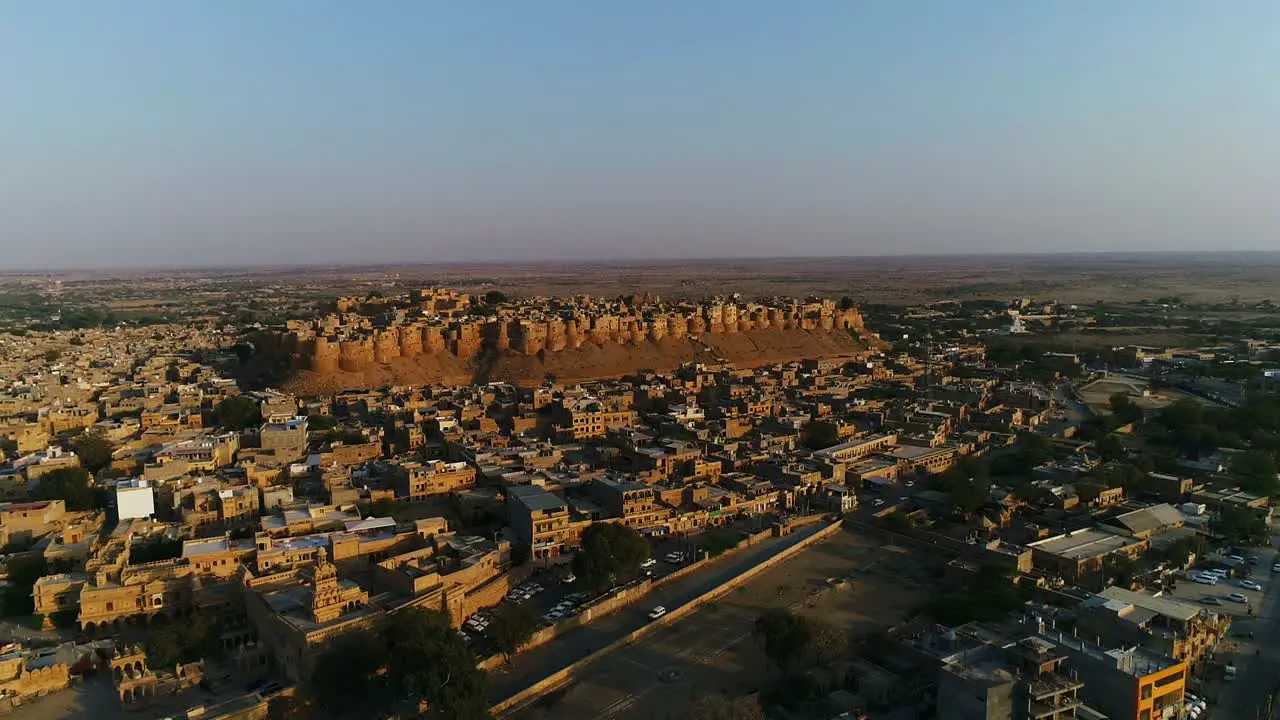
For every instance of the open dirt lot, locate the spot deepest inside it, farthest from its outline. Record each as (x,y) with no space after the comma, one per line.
(712,649)
(1098,395)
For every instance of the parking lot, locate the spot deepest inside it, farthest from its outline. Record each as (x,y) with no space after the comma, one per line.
(1229,595)
(554,593)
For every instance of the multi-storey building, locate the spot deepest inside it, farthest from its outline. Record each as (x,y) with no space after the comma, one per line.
(539,519)
(287,439)
(634,504)
(417,482)
(591,418)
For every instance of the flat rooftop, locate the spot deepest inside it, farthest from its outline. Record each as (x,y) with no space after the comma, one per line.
(1168,607)
(535,498)
(1083,544)
(915,452)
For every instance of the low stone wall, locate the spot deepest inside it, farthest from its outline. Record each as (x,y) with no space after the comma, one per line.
(558,678)
(595,611)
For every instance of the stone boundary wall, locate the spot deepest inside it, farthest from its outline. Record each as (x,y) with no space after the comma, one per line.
(555,680)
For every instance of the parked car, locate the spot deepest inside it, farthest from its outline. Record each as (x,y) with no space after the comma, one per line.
(1238,598)
(569,579)
(1250,584)
(675,558)
(648,563)
(1210,600)
(657,612)
(1204,579)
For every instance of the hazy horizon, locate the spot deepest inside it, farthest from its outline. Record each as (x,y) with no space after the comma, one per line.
(310,133)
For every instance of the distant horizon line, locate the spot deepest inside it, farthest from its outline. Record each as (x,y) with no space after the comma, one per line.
(619,261)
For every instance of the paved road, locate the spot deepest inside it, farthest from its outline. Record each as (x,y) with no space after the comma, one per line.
(710,650)
(532,666)
(1244,698)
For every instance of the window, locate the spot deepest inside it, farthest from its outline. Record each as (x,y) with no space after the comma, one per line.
(1146,692)
(111,606)
(1170,679)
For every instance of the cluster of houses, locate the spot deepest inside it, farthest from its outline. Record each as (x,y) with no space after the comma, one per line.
(335,511)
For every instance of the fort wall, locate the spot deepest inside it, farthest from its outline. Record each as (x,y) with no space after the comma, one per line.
(354,344)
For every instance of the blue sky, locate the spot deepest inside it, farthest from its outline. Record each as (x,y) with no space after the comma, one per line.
(221,132)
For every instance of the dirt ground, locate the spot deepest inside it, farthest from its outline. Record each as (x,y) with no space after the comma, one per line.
(1098,395)
(712,649)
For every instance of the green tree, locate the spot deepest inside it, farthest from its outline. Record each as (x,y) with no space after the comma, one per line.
(427,659)
(783,635)
(1123,475)
(512,627)
(968,495)
(494,297)
(154,550)
(180,642)
(23,574)
(1240,525)
(71,485)
(718,540)
(320,423)
(1110,447)
(51,354)
(346,437)
(347,674)
(1256,471)
(896,521)
(610,551)
(988,597)
(1182,551)
(1124,409)
(1088,491)
(94,450)
(819,434)
(238,413)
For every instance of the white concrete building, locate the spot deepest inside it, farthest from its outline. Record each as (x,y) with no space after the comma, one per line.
(135,499)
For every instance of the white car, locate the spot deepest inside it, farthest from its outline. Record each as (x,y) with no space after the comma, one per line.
(1275,567)
(1250,585)
(1205,579)
(1238,598)
(648,563)
(657,612)
(569,579)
